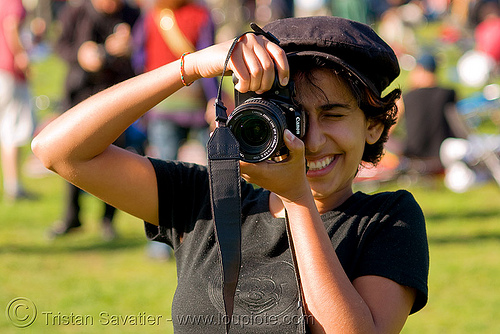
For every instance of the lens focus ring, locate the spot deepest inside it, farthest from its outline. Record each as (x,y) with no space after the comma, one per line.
(258,125)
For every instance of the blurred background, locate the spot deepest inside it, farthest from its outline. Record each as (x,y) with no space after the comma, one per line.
(87,270)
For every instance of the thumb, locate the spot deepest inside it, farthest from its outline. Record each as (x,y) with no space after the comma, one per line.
(293,143)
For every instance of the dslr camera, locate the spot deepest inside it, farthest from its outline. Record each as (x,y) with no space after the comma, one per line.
(259,120)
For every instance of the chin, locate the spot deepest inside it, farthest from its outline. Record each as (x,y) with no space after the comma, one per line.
(323,191)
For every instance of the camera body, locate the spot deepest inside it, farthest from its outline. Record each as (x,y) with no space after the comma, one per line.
(259,120)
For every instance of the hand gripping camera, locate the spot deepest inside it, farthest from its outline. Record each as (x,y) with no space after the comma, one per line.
(259,120)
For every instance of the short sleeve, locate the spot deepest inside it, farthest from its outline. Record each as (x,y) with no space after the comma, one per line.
(394,245)
(182,200)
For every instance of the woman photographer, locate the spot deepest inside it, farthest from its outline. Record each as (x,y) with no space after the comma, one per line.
(351,263)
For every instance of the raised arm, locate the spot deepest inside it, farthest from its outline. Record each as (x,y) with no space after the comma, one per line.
(78,144)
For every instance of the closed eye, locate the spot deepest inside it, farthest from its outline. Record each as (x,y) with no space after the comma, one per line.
(334,109)
(333,115)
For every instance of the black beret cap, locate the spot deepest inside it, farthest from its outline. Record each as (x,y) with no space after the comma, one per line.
(353,45)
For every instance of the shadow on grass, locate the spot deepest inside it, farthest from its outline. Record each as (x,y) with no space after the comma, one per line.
(469,215)
(456,236)
(66,246)
(464,239)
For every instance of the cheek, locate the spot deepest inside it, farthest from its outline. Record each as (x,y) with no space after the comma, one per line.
(350,139)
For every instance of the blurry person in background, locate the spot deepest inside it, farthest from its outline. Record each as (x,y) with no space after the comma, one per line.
(395,25)
(16,113)
(167,30)
(427,111)
(96,43)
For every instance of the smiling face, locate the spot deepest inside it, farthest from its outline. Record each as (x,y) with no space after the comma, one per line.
(335,140)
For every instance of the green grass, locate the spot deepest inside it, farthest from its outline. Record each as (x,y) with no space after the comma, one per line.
(464,238)
(84,276)
(80,274)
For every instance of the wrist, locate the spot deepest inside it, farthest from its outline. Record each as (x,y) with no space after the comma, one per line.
(298,198)
(300,208)
(188,69)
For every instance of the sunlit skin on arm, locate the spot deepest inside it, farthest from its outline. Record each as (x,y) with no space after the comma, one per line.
(78,144)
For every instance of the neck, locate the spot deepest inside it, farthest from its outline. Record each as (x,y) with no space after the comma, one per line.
(328,204)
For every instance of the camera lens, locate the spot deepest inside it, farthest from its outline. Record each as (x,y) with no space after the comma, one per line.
(258,126)
(253,131)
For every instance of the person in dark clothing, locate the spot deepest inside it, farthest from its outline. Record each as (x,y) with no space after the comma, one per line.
(427,111)
(96,44)
(315,256)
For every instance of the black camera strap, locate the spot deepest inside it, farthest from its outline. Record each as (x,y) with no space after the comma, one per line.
(225,192)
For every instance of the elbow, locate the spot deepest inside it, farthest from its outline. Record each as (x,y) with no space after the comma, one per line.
(42,151)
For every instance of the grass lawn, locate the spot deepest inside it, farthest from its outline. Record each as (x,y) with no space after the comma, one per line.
(464,238)
(80,274)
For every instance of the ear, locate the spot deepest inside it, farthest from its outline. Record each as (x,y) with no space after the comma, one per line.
(374,130)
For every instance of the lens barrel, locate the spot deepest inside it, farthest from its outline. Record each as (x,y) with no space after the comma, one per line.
(258,126)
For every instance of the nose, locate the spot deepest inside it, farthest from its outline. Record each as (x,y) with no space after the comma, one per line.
(315,137)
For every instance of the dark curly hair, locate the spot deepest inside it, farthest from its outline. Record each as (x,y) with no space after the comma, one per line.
(381,109)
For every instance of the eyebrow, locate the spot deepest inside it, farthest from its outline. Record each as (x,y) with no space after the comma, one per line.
(330,106)
(327,106)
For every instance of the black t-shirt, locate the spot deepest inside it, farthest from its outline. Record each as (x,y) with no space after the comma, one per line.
(425,119)
(382,234)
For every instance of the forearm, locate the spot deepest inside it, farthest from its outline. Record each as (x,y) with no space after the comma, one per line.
(329,295)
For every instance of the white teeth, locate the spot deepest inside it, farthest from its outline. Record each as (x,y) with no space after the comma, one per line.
(320,164)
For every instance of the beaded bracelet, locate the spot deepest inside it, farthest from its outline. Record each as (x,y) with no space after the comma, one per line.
(182,70)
